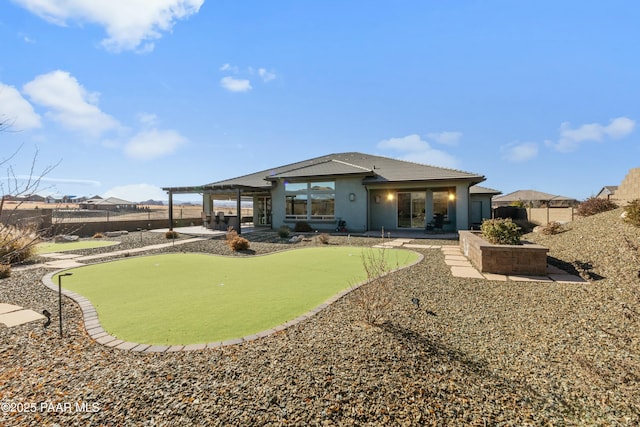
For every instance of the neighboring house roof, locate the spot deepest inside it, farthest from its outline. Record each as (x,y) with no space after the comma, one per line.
(374,169)
(530,195)
(607,190)
(476,189)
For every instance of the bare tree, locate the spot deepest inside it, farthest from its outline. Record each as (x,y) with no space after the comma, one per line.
(18,236)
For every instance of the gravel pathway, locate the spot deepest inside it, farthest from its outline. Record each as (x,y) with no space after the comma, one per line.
(472,352)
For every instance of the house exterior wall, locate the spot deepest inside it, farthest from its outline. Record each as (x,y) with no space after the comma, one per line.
(354,212)
(484,208)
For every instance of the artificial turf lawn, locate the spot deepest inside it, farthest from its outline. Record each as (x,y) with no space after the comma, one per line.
(47,248)
(176,299)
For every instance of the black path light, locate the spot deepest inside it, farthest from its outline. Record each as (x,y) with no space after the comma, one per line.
(60,298)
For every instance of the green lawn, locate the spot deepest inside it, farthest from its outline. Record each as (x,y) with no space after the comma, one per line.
(197,298)
(50,247)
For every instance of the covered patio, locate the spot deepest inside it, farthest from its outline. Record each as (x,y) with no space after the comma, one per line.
(218,220)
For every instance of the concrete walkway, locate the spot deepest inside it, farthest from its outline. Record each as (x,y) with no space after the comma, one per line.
(462,267)
(14,315)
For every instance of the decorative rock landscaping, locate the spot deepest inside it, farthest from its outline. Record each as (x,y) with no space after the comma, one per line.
(452,351)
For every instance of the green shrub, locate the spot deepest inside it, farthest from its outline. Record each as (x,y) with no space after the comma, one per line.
(284,232)
(16,244)
(594,205)
(5,271)
(302,227)
(171,234)
(632,212)
(501,231)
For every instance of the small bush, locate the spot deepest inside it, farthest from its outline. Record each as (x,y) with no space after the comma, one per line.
(238,244)
(171,234)
(632,212)
(501,231)
(594,205)
(16,244)
(98,236)
(284,232)
(235,242)
(323,238)
(554,227)
(374,297)
(5,271)
(302,227)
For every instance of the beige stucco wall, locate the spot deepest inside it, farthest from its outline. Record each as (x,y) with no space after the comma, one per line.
(629,189)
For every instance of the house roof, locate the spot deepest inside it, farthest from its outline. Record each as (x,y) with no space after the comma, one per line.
(529,195)
(374,169)
(476,189)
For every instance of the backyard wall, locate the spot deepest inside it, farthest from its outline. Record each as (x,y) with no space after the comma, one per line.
(528,259)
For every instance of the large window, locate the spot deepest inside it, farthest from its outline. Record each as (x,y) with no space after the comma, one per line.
(441,203)
(310,200)
(411,210)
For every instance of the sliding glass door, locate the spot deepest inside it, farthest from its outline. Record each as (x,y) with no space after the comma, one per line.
(411,209)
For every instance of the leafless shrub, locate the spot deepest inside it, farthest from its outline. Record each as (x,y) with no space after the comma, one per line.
(374,296)
(323,238)
(554,227)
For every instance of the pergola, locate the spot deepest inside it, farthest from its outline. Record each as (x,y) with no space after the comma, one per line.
(217,191)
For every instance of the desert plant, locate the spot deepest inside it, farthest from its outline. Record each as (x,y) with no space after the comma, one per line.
(98,236)
(5,271)
(171,234)
(16,244)
(284,232)
(632,212)
(235,242)
(302,227)
(323,238)
(501,231)
(554,227)
(594,205)
(517,204)
(374,296)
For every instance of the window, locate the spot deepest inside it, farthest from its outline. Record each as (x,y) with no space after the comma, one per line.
(441,203)
(310,200)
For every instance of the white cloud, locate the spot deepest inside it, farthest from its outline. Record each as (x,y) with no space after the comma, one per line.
(235,85)
(570,138)
(130,24)
(69,103)
(418,150)
(229,67)
(519,151)
(89,182)
(137,192)
(147,119)
(267,76)
(16,111)
(446,137)
(150,144)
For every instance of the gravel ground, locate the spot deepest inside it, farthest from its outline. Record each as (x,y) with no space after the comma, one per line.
(475,352)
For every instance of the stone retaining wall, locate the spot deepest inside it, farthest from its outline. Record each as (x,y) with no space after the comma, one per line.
(529,259)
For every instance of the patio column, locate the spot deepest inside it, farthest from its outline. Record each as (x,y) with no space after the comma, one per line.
(239,211)
(462,206)
(170,210)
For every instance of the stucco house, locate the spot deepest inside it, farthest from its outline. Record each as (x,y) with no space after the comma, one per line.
(368,192)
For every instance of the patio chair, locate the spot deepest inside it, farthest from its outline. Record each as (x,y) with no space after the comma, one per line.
(437,223)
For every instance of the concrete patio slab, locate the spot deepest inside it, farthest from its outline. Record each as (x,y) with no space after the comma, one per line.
(567,278)
(7,308)
(495,277)
(524,278)
(418,246)
(466,272)
(456,258)
(19,317)
(62,264)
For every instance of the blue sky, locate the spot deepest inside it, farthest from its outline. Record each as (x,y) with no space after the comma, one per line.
(130,96)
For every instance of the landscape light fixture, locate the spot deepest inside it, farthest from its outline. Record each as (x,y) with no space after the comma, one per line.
(60,276)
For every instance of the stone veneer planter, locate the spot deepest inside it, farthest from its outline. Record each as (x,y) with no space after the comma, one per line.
(528,258)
